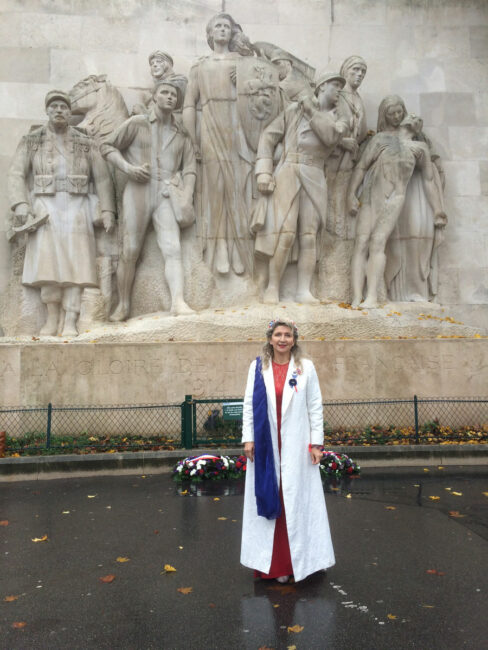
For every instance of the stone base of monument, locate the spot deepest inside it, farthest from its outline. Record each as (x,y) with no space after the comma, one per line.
(398,350)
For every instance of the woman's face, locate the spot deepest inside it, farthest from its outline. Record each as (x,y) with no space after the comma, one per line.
(355,75)
(282,339)
(221,31)
(394,115)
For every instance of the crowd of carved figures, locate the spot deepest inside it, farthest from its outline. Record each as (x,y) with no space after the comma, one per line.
(254,152)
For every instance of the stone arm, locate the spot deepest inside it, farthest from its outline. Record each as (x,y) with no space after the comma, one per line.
(189,168)
(370,154)
(432,190)
(329,132)
(104,188)
(18,175)
(189,116)
(122,138)
(272,135)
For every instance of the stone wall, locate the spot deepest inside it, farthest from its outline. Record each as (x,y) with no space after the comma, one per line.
(434,53)
(162,373)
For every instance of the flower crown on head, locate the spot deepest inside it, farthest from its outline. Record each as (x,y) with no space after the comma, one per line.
(272,323)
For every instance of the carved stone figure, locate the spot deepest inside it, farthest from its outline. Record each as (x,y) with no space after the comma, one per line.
(386,167)
(293,84)
(238,95)
(411,272)
(350,109)
(48,187)
(161,67)
(103,110)
(309,132)
(159,161)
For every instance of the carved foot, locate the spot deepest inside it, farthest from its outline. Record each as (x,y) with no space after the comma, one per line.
(369,303)
(181,309)
(49,329)
(271,296)
(222,258)
(306,298)
(121,312)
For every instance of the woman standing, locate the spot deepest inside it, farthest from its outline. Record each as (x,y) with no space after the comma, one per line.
(285,528)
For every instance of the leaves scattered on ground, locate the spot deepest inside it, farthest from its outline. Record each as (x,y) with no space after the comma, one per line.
(435,572)
(168,569)
(108,578)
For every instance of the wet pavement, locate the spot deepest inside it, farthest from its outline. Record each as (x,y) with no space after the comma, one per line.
(411,571)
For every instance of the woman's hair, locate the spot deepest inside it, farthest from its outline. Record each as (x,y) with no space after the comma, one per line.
(386,103)
(239,42)
(296,350)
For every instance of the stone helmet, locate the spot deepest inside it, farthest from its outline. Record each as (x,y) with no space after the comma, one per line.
(57,94)
(328,76)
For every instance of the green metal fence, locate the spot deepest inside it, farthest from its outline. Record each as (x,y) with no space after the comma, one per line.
(217,421)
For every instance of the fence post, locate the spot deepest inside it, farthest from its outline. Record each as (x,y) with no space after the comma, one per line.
(416,413)
(48,428)
(186,423)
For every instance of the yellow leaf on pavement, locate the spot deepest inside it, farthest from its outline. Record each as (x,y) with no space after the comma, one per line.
(392,617)
(168,568)
(216,499)
(390,508)
(434,498)
(458,494)
(485,494)
(10,599)
(291,647)
(185,590)
(184,492)
(456,514)
(221,518)
(19,624)
(296,629)
(348,496)
(123,559)
(91,496)
(40,539)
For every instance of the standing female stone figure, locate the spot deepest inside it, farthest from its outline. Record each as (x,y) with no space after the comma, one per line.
(411,272)
(225,155)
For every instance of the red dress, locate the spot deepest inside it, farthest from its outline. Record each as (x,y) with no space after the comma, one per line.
(281,559)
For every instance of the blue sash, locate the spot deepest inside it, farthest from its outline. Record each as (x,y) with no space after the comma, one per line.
(265,484)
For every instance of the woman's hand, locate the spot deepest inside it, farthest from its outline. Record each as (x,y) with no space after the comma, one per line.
(315,455)
(249,451)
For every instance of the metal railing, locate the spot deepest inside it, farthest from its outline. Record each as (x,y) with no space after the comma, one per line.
(217,421)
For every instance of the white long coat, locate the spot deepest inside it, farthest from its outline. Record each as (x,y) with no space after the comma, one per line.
(306,515)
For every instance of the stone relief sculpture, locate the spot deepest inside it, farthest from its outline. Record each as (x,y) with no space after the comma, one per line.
(411,272)
(308,131)
(238,96)
(385,169)
(157,155)
(103,109)
(350,109)
(48,187)
(161,67)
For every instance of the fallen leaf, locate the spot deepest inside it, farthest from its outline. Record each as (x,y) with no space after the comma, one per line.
(448,489)
(348,496)
(40,539)
(19,624)
(484,493)
(10,599)
(392,617)
(434,572)
(291,647)
(456,514)
(65,512)
(296,629)
(275,606)
(426,470)
(440,467)
(109,578)
(180,547)
(390,508)
(458,494)
(183,493)
(211,605)
(221,518)
(4,522)
(185,590)
(431,571)
(265,647)
(169,569)
(91,496)
(216,499)
(123,559)
(283,589)
(156,532)
(428,606)
(434,498)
